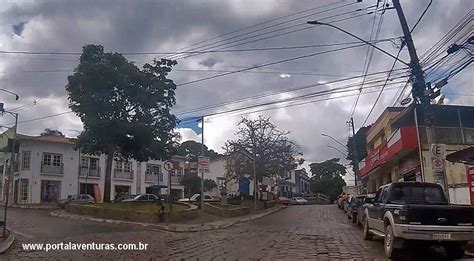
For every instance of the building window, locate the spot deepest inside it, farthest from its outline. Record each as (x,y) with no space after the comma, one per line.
(152,169)
(24,190)
(123,166)
(84,162)
(52,159)
(26,162)
(89,163)
(94,163)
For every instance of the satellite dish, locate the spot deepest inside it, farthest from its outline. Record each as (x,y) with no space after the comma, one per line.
(405,101)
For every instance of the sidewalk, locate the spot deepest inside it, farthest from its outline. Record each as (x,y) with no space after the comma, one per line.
(175,227)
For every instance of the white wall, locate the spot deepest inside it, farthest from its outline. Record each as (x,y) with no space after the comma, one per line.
(459,196)
(70,160)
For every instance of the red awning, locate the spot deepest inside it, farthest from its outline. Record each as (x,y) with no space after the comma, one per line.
(465,156)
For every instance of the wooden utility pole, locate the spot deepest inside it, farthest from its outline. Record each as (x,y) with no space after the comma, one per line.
(419,91)
(356,156)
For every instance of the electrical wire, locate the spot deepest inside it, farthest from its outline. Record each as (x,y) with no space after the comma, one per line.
(213,44)
(421,16)
(254,25)
(381,90)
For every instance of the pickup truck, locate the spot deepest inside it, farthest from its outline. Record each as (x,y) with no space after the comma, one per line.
(406,213)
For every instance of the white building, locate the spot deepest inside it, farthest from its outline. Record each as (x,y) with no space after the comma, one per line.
(217,173)
(48,169)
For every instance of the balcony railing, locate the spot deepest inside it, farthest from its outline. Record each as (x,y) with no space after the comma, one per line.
(53,170)
(90,173)
(123,175)
(151,178)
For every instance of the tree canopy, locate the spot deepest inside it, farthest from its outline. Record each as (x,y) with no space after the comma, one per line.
(194,148)
(360,149)
(125,109)
(327,178)
(259,139)
(52,132)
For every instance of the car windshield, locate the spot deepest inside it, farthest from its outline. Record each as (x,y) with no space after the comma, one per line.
(417,194)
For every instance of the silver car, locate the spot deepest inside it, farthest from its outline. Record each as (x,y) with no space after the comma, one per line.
(79,199)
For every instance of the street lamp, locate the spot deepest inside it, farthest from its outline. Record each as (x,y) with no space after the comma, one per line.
(12,159)
(358,38)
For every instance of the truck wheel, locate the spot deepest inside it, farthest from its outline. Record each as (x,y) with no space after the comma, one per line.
(389,242)
(455,251)
(367,234)
(354,218)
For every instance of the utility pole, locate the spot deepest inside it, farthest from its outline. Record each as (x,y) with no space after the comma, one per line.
(356,155)
(12,170)
(419,91)
(202,171)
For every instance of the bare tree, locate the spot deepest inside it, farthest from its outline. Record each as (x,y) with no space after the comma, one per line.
(263,150)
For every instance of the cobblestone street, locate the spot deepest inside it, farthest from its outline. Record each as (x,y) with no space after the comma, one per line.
(298,232)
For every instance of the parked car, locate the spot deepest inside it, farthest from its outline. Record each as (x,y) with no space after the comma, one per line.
(409,212)
(345,203)
(196,198)
(353,205)
(361,209)
(142,198)
(121,197)
(298,201)
(341,201)
(77,199)
(283,200)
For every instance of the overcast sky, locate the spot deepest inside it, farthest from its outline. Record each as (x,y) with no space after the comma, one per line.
(167,26)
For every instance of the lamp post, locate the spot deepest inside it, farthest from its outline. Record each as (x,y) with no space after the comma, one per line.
(12,169)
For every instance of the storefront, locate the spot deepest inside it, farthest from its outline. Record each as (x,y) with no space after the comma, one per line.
(50,191)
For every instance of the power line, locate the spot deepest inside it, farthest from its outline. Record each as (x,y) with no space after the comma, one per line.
(255,25)
(268,64)
(381,90)
(276,48)
(369,55)
(266,94)
(421,16)
(213,44)
(271,36)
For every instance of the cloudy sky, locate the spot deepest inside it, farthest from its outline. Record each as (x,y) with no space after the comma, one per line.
(238,25)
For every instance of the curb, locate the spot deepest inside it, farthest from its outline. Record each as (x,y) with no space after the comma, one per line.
(31,206)
(5,245)
(171,227)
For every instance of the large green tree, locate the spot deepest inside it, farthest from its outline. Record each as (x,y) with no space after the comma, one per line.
(327,178)
(194,148)
(125,109)
(359,149)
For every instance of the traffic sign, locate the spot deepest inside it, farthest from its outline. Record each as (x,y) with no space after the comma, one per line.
(168,165)
(437,164)
(203,163)
(438,151)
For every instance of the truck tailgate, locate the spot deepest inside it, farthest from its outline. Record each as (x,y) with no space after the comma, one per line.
(440,215)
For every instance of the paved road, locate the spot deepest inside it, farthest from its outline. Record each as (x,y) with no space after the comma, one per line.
(297,233)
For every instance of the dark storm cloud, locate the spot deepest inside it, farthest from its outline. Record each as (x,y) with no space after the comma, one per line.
(134,26)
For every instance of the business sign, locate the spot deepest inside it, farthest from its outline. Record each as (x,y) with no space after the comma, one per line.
(470,181)
(438,151)
(203,164)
